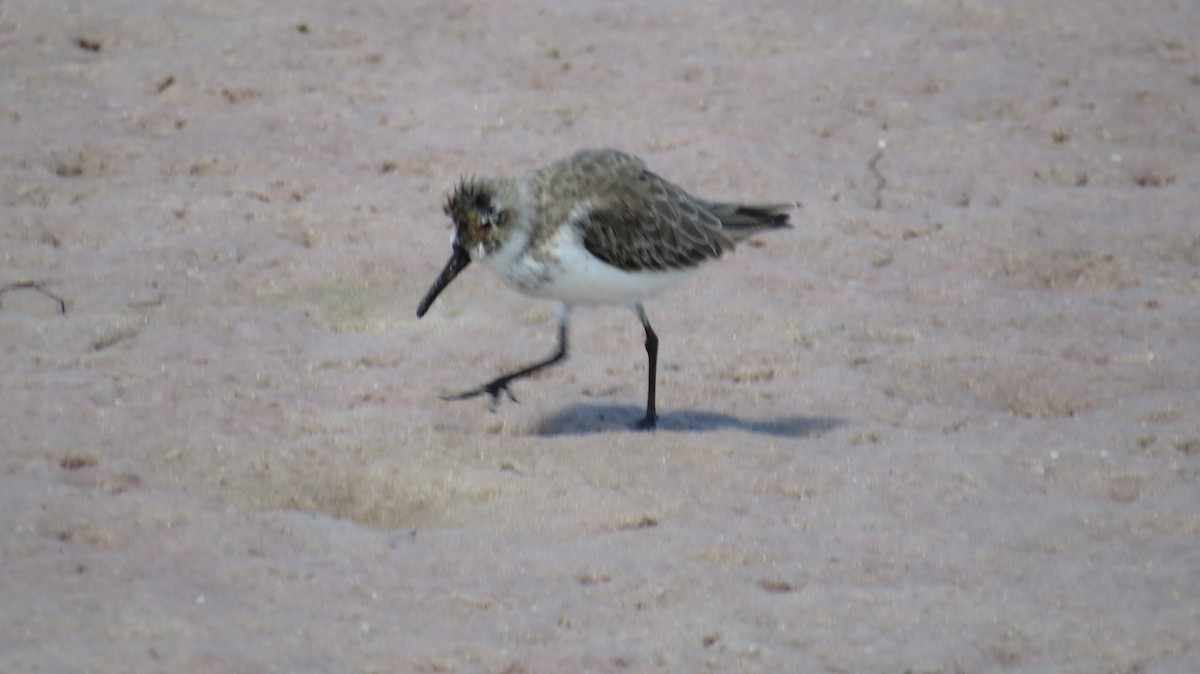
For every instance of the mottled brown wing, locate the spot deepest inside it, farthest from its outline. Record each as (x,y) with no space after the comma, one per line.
(640,222)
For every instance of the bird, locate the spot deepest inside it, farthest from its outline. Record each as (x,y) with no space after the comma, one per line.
(596,228)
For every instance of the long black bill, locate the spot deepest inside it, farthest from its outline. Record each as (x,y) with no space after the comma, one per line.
(459,260)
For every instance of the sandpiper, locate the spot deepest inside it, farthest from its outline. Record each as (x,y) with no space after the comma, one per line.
(595,228)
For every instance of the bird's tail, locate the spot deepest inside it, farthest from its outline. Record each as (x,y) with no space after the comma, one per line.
(741,221)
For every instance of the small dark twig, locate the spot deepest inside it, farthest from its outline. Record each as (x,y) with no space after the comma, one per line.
(34,285)
(872,165)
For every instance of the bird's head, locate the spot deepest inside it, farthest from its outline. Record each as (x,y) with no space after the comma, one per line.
(480,222)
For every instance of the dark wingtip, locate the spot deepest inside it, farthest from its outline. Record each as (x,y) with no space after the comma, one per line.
(780,214)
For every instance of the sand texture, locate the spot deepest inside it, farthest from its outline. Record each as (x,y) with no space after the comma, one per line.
(949,423)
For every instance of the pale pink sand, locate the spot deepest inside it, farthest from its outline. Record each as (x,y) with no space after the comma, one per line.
(950,423)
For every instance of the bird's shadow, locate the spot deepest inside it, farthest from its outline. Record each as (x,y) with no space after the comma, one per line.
(592,419)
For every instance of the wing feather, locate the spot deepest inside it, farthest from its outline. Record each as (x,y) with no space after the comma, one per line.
(635,220)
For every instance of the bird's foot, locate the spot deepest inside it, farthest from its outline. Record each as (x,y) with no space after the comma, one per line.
(493,389)
(646,423)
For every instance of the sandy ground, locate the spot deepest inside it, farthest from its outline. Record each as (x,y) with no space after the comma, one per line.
(949,423)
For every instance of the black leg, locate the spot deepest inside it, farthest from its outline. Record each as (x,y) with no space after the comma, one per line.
(494,387)
(651,418)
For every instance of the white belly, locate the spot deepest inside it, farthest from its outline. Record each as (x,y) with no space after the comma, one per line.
(569,273)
